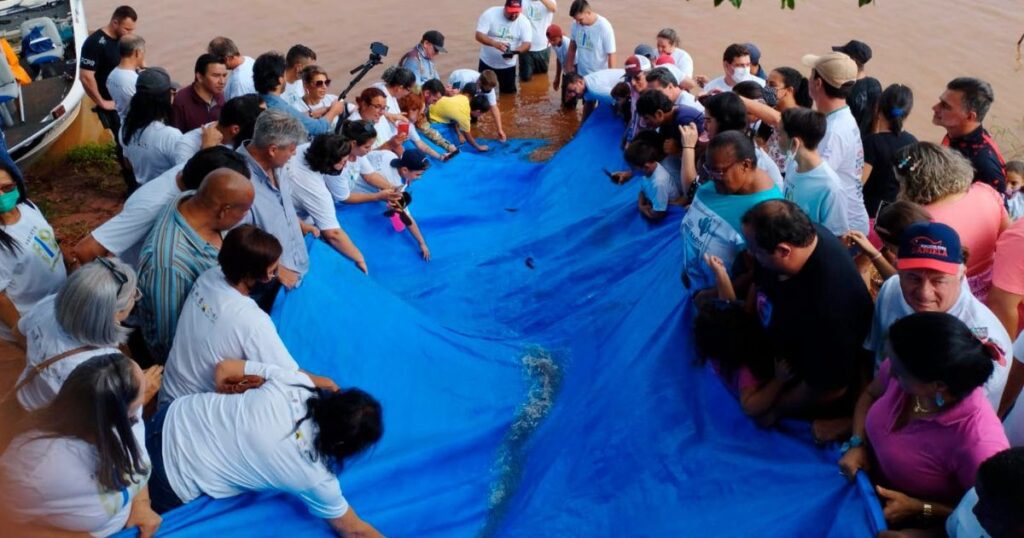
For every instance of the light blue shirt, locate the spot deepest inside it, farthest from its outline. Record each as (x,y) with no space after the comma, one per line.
(819,194)
(421,66)
(660,188)
(313,126)
(273,212)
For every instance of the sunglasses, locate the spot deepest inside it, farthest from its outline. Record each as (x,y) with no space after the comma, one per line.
(120,277)
(322,83)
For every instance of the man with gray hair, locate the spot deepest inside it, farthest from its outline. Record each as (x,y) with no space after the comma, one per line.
(183,244)
(274,140)
(121,81)
(960,110)
(240,80)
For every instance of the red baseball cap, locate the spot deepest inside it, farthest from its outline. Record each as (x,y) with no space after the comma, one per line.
(514,6)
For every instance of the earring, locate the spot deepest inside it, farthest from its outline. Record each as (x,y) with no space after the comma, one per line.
(939,400)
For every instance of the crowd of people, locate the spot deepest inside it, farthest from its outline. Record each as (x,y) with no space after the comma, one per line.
(841,271)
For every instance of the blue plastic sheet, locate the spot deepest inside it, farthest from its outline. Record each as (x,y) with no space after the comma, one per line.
(537,375)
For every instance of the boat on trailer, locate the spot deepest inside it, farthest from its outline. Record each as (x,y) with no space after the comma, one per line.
(45,39)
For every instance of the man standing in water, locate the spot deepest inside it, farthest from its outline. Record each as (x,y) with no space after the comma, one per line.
(503,35)
(539,13)
(593,41)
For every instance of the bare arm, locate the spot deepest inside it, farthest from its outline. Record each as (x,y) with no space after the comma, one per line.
(763,112)
(1005,306)
(483,39)
(611,61)
(472,142)
(351,526)
(1014,383)
(341,242)
(88,249)
(92,89)
(551,5)
(425,148)
(10,316)
(496,114)
(378,181)
(364,197)
(866,173)
(570,58)
(414,229)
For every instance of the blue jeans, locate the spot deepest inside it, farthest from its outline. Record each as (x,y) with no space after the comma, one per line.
(162,497)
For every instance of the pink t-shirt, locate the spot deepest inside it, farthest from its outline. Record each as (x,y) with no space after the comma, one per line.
(976,217)
(1008,267)
(740,381)
(932,458)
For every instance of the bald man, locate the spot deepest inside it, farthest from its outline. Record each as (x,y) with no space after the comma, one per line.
(185,242)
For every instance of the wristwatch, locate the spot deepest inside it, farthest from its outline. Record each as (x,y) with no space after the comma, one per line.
(926,510)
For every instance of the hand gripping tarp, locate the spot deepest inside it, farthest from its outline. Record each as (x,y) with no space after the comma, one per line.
(536,376)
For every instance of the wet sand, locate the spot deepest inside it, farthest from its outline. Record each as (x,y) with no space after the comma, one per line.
(921,43)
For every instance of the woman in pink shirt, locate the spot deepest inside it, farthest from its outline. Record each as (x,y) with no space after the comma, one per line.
(923,424)
(941,180)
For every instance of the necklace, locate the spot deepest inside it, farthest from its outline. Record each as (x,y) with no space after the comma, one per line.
(920,409)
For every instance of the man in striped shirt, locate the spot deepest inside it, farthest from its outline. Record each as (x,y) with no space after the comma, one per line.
(185,242)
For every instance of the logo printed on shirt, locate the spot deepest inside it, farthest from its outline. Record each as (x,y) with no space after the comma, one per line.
(44,244)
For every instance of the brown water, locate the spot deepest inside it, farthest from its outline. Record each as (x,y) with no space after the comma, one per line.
(921,43)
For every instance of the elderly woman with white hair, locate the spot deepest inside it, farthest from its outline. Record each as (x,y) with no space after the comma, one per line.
(940,179)
(82,320)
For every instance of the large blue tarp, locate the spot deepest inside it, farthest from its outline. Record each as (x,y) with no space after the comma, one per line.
(537,375)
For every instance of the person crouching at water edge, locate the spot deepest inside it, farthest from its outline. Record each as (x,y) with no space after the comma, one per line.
(399,172)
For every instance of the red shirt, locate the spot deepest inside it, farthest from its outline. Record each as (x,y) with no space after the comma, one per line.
(190,111)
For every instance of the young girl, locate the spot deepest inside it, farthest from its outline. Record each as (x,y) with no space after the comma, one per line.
(733,341)
(1014,182)
(877,266)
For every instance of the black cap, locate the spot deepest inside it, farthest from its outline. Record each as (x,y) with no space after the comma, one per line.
(858,50)
(154,81)
(436,39)
(413,159)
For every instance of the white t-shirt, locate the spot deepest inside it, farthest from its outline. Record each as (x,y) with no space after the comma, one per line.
(687,99)
(328,100)
(190,144)
(121,87)
(843,150)
(47,339)
(240,81)
(962,523)
(720,85)
(562,51)
(151,151)
(494,25)
(52,481)
(350,179)
(380,160)
(126,231)
(1014,423)
(890,306)
(767,164)
(818,193)
(293,92)
(600,83)
(310,195)
(684,62)
(224,445)
(540,18)
(460,77)
(593,45)
(660,188)
(35,269)
(385,130)
(1015,205)
(217,322)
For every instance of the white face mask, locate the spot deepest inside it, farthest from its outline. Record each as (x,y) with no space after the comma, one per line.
(740,74)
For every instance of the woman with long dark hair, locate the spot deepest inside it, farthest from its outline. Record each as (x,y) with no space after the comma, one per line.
(283,435)
(81,464)
(31,264)
(147,137)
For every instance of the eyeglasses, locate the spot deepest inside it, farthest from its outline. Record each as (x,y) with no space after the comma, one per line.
(120,277)
(718,174)
(322,83)
(381,108)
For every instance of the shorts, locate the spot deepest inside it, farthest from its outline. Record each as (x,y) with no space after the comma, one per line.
(534,62)
(506,77)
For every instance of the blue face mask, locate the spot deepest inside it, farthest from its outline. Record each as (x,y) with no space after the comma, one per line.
(9,200)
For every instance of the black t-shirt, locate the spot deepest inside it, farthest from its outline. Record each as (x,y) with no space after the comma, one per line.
(981,149)
(862,100)
(100,53)
(818,319)
(882,184)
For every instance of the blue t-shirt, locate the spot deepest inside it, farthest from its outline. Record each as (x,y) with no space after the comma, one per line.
(819,194)
(712,226)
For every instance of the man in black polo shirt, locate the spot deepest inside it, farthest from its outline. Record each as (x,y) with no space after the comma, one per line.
(960,110)
(815,307)
(100,55)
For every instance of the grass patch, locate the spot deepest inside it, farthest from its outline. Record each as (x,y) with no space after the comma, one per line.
(93,158)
